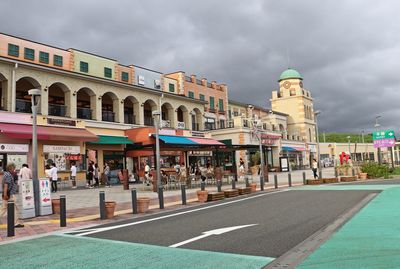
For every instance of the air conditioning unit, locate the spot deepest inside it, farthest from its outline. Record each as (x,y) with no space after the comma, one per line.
(181,125)
(141,80)
(157,84)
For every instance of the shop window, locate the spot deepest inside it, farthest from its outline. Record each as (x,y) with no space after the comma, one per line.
(125,76)
(43,57)
(107,72)
(29,54)
(63,161)
(58,60)
(13,50)
(169,161)
(84,67)
(209,124)
(221,124)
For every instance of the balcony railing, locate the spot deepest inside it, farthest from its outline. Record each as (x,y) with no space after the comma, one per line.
(84,113)
(129,119)
(23,106)
(212,110)
(148,121)
(108,116)
(195,126)
(57,110)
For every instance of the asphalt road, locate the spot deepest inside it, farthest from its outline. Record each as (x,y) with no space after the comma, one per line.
(283,220)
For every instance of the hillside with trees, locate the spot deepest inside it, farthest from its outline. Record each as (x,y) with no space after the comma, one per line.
(342,138)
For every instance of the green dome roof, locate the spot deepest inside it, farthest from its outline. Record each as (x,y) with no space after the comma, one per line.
(290,73)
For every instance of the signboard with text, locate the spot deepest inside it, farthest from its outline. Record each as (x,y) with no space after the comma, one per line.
(27,199)
(45,197)
(384,139)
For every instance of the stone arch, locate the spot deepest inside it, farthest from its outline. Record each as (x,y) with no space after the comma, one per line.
(167,115)
(22,98)
(131,110)
(182,117)
(197,119)
(109,107)
(86,103)
(3,92)
(148,107)
(59,101)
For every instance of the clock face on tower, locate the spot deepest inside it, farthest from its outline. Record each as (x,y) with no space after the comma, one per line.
(286,84)
(301,84)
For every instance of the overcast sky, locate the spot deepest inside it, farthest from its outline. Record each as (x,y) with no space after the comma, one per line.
(347,51)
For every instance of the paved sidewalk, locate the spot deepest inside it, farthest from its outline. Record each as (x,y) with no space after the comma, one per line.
(83,204)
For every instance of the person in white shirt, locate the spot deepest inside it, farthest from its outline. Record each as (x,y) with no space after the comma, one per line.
(147,174)
(25,173)
(53,177)
(73,175)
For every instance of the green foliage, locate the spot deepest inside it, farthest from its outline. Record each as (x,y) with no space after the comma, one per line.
(375,170)
(342,138)
(256,158)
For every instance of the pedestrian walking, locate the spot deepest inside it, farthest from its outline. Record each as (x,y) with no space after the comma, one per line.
(96,175)
(89,175)
(106,175)
(54,177)
(9,192)
(315,168)
(73,174)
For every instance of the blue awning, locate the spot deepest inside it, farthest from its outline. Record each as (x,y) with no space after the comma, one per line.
(288,149)
(180,140)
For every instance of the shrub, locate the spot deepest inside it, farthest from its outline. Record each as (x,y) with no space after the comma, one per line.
(375,170)
(256,158)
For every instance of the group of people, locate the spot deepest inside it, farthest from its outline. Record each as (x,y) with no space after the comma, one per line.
(93,175)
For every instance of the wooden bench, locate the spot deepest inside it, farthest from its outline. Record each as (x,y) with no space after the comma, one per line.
(215,196)
(348,179)
(314,181)
(245,190)
(331,180)
(231,193)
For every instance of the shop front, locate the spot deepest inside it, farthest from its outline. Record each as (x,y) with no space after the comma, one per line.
(13,153)
(295,155)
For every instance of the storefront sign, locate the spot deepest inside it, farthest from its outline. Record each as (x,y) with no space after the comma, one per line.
(27,198)
(384,143)
(14,148)
(198,134)
(270,140)
(167,132)
(170,153)
(45,197)
(200,153)
(77,157)
(9,117)
(62,122)
(61,149)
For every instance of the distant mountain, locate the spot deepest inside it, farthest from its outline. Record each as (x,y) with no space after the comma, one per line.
(342,137)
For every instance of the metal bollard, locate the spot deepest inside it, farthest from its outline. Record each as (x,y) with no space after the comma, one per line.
(202,186)
(161,196)
(63,211)
(320,174)
(304,178)
(10,219)
(134,201)
(247,182)
(183,191)
(102,204)
(336,173)
(234,183)
(352,172)
(219,184)
(290,179)
(276,181)
(261,183)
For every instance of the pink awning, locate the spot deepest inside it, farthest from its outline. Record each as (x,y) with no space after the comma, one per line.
(206,141)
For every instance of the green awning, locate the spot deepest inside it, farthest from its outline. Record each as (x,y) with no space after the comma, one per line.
(112,140)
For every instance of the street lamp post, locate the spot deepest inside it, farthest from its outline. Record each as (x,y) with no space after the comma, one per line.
(316,113)
(156,116)
(35,96)
(377,125)
(348,141)
(362,140)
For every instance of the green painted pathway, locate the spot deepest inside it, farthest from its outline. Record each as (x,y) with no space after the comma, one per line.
(68,252)
(371,239)
(345,187)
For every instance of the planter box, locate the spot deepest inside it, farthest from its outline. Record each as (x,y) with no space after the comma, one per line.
(363,176)
(331,180)
(143,204)
(348,179)
(314,181)
(55,203)
(202,196)
(215,196)
(245,190)
(253,187)
(231,193)
(110,208)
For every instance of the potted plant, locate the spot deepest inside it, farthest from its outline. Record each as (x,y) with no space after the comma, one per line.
(143,204)
(253,187)
(55,204)
(202,196)
(110,209)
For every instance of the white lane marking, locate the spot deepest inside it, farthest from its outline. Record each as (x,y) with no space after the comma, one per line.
(209,233)
(98,230)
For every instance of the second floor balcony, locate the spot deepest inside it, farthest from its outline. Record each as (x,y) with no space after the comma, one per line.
(148,121)
(57,110)
(84,113)
(129,119)
(108,116)
(195,126)
(23,106)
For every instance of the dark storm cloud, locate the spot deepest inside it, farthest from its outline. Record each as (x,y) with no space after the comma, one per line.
(346,50)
